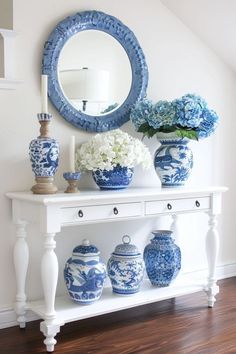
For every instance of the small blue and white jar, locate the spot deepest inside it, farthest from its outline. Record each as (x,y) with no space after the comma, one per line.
(126,268)
(162,258)
(85,274)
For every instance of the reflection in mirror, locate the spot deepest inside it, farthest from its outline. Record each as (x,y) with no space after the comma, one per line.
(94,72)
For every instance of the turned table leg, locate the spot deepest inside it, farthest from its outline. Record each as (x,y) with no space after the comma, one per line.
(49,274)
(21,260)
(212,248)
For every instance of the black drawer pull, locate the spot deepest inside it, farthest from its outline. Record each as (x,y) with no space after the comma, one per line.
(115,211)
(169,206)
(80,214)
(197,204)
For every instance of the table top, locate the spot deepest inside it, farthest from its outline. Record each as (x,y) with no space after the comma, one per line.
(110,195)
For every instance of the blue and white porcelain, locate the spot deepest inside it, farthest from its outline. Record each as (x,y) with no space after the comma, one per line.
(117,178)
(85,274)
(72,178)
(125,268)
(58,39)
(72,175)
(173,162)
(44,152)
(162,258)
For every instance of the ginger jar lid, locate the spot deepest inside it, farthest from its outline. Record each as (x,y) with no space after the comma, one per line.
(126,248)
(85,249)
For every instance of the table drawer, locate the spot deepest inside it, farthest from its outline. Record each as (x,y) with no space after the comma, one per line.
(101,212)
(179,205)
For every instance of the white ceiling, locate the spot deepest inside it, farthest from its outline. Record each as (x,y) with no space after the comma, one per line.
(214,21)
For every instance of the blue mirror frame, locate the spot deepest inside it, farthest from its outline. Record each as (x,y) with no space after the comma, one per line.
(97,20)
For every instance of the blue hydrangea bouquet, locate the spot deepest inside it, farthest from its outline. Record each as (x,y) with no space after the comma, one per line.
(185,117)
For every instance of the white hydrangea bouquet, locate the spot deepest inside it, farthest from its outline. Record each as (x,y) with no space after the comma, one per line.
(104,151)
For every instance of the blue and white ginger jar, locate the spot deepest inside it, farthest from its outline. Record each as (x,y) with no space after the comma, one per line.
(162,258)
(85,274)
(173,162)
(125,268)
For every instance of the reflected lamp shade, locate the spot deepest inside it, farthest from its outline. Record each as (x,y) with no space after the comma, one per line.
(85,84)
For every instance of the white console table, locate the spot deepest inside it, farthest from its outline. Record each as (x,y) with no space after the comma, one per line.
(52,212)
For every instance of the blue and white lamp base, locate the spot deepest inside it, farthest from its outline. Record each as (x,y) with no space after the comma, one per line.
(44,155)
(44,185)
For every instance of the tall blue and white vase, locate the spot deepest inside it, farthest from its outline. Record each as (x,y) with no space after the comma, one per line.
(173,162)
(162,258)
(126,268)
(44,156)
(84,274)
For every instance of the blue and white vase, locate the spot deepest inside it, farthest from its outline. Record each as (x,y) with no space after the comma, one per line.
(125,268)
(85,274)
(173,162)
(117,178)
(44,156)
(162,258)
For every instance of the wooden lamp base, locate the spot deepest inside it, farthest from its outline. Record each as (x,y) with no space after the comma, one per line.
(44,185)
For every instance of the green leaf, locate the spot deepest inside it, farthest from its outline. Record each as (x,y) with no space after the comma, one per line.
(143,128)
(190,134)
(182,133)
(147,130)
(151,132)
(167,129)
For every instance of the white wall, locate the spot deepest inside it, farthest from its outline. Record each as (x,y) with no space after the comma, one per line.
(213,21)
(178,63)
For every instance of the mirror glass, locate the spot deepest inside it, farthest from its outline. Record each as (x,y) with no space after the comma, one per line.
(94,72)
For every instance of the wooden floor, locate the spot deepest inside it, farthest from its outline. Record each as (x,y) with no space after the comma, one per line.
(178,326)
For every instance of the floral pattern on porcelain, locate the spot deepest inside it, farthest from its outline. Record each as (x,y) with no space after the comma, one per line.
(125,275)
(162,258)
(84,280)
(85,274)
(117,178)
(44,155)
(126,268)
(173,162)
(72,176)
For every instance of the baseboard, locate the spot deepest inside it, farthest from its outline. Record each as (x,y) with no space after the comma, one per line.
(8,317)
(222,271)
(226,271)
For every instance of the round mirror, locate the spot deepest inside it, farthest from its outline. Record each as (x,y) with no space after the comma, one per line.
(96,70)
